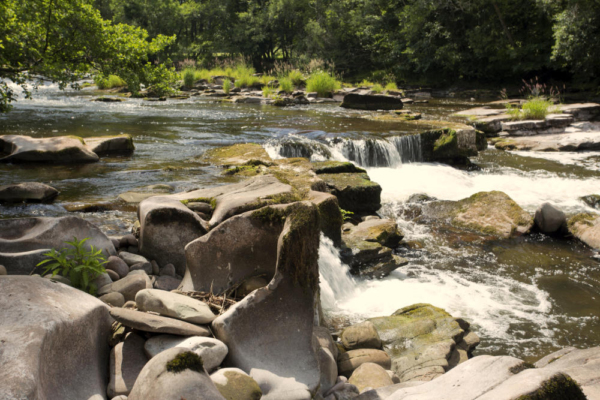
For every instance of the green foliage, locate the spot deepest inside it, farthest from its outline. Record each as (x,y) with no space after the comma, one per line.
(227,86)
(347,215)
(112,81)
(391,86)
(81,266)
(377,88)
(322,83)
(268,91)
(534,108)
(296,77)
(189,77)
(366,83)
(286,85)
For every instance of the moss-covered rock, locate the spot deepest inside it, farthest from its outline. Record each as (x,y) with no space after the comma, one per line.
(355,192)
(238,154)
(335,167)
(489,213)
(586,227)
(592,200)
(235,384)
(450,145)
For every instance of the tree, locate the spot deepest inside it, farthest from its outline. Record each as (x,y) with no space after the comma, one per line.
(63,40)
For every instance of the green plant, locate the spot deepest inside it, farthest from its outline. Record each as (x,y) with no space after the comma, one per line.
(189,77)
(81,266)
(347,215)
(268,91)
(377,88)
(391,86)
(366,83)
(322,83)
(534,108)
(296,77)
(226,86)
(286,85)
(109,82)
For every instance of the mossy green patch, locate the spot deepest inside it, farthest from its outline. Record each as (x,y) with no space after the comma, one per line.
(79,138)
(582,218)
(183,361)
(239,386)
(270,215)
(559,387)
(238,154)
(343,180)
(208,200)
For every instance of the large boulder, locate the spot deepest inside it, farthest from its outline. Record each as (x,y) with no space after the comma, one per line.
(235,384)
(110,145)
(355,191)
(29,192)
(351,360)
(585,227)
(60,150)
(174,374)
(424,341)
(370,375)
(239,248)
(286,306)
(451,146)
(127,359)
(330,215)
(488,213)
(23,241)
(46,330)
(371,102)
(550,220)
(174,305)
(361,336)
(167,225)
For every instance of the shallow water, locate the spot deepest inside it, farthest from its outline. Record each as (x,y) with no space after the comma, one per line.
(525,296)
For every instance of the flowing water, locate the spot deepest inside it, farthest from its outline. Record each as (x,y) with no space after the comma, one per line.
(525,296)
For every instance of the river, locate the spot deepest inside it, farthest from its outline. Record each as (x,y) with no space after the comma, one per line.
(525,297)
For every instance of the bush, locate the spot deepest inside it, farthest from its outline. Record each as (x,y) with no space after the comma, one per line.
(268,91)
(189,77)
(366,83)
(322,83)
(286,85)
(377,88)
(391,86)
(226,86)
(534,108)
(78,264)
(296,77)
(112,81)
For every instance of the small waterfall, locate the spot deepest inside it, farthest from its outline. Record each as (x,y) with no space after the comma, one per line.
(369,152)
(298,146)
(409,148)
(336,282)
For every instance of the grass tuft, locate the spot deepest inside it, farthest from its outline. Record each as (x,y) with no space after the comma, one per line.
(322,83)
(112,81)
(286,85)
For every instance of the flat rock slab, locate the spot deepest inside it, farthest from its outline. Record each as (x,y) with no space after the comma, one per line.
(47,330)
(29,192)
(174,305)
(570,141)
(110,145)
(586,227)
(153,323)
(371,102)
(60,150)
(128,286)
(212,351)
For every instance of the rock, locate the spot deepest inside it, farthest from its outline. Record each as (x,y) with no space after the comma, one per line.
(200,207)
(250,285)
(323,339)
(235,384)
(355,192)
(128,240)
(393,376)
(3,270)
(581,111)
(361,336)
(550,220)
(592,200)
(451,146)
(371,102)
(211,350)
(132,259)
(585,227)
(59,150)
(420,198)
(174,305)
(286,306)
(118,265)
(112,275)
(533,383)
(328,369)
(167,283)
(167,270)
(128,286)
(488,213)
(155,267)
(143,266)
(350,360)
(336,167)
(331,218)
(59,278)
(29,192)
(45,334)
(421,339)
(23,241)
(276,387)
(114,299)
(174,374)
(111,145)
(127,359)
(102,280)
(239,248)
(573,139)
(370,375)
(156,324)
(382,231)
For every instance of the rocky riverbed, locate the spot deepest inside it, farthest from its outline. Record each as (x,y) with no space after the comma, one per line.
(388,258)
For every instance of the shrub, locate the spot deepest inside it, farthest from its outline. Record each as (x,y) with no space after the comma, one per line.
(391,86)
(268,91)
(296,77)
(78,264)
(189,77)
(366,83)
(242,81)
(109,82)
(534,108)
(322,83)
(226,86)
(377,88)
(286,85)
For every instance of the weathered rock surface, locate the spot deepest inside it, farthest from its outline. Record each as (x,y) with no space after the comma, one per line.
(172,375)
(355,191)
(451,145)
(28,192)
(118,265)
(235,384)
(361,336)
(550,220)
(586,227)
(350,360)
(110,145)
(238,249)
(286,306)
(61,150)
(167,283)
(46,330)
(128,286)
(592,200)
(488,213)
(114,299)
(371,102)
(23,241)
(156,324)
(211,350)
(127,359)
(370,375)
(174,305)
(275,387)
(423,341)
(132,259)
(578,137)
(330,215)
